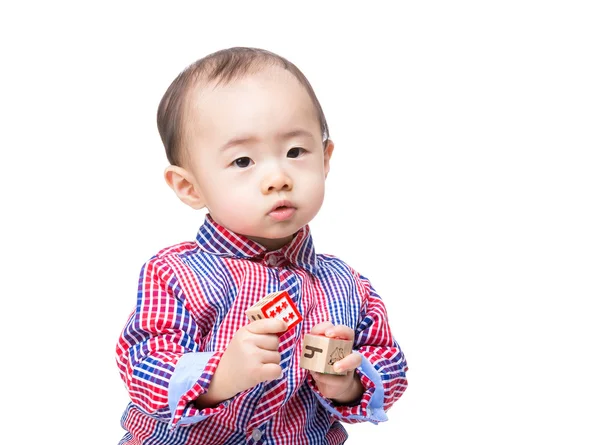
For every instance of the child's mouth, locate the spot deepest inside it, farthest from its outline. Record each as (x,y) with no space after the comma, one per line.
(282,213)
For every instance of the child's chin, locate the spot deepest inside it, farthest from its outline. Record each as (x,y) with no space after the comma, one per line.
(274,240)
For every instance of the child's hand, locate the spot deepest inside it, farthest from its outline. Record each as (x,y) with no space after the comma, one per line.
(340,388)
(251,357)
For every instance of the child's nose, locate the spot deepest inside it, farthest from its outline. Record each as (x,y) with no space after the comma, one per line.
(276,181)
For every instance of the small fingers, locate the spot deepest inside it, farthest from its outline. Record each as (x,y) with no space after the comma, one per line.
(268,342)
(328,379)
(268,357)
(330,330)
(320,377)
(270,371)
(319,329)
(348,363)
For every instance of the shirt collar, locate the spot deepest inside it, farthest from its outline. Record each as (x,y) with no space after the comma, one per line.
(217,240)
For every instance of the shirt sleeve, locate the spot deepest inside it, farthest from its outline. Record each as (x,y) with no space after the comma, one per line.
(383,368)
(158,353)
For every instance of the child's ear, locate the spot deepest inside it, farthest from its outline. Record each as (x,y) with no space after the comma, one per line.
(185,187)
(327,155)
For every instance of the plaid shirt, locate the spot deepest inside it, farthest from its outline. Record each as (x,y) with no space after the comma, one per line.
(192,298)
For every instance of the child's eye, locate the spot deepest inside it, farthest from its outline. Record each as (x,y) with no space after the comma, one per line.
(242,162)
(295,152)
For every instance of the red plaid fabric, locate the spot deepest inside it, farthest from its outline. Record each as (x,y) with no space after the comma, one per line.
(192,298)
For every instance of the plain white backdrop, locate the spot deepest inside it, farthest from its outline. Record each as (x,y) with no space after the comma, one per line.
(467,158)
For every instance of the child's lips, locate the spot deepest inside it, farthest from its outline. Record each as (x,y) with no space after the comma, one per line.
(282,213)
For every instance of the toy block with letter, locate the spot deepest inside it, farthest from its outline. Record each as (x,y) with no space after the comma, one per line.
(319,353)
(276,305)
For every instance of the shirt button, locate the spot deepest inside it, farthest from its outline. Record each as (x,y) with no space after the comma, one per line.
(272,261)
(256,434)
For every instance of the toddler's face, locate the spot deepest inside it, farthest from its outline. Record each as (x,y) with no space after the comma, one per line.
(255,150)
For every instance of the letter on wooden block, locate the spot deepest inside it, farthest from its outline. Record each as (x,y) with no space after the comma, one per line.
(276,305)
(319,353)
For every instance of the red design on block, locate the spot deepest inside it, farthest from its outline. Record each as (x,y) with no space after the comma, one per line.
(283,301)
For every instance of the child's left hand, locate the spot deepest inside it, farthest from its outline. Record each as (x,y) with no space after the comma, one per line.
(340,388)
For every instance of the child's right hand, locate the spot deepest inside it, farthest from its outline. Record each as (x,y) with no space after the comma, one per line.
(251,357)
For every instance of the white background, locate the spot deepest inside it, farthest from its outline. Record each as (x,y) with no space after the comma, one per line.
(467,139)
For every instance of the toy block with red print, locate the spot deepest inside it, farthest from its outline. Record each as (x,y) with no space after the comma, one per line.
(276,305)
(319,353)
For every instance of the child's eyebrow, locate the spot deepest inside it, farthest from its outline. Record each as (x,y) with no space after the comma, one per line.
(294,133)
(246,139)
(238,140)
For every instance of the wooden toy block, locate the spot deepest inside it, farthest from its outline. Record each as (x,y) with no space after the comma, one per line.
(319,353)
(276,305)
